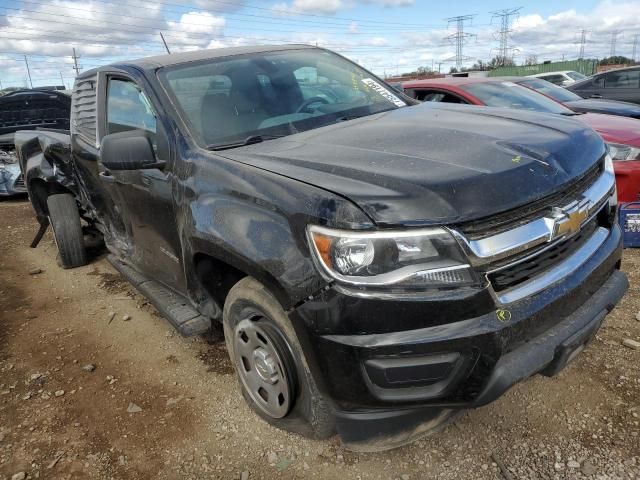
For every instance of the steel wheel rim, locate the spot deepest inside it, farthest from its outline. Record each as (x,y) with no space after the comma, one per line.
(261,368)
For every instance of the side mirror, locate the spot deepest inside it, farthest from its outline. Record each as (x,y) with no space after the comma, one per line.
(131,150)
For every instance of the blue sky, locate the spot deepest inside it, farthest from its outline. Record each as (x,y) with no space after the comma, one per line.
(386,36)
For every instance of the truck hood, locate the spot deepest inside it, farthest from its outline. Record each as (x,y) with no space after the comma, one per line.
(434,163)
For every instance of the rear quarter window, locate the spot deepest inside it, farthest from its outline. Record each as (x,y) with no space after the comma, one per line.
(83,110)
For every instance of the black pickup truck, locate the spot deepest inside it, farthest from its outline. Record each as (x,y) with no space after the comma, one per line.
(377,266)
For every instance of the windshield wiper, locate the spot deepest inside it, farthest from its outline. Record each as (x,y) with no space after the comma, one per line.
(250,140)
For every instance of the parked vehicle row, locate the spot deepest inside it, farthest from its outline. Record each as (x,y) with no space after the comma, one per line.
(621,134)
(378,265)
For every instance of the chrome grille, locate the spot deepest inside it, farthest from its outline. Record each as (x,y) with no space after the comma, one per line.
(533,265)
(505,221)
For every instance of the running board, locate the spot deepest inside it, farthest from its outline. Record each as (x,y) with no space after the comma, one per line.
(174,307)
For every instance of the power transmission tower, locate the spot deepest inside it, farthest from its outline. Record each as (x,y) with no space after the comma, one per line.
(460,37)
(75,62)
(26,62)
(614,39)
(635,47)
(583,42)
(506,17)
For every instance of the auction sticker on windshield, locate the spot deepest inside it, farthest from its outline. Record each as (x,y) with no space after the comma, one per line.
(371,83)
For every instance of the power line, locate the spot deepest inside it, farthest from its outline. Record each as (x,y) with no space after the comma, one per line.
(460,37)
(382,26)
(635,47)
(506,17)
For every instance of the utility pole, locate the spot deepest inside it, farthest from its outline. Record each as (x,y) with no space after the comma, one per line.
(165,43)
(62,80)
(26,62)
(583,42)
(635,47)
(614,39)
(459,37)
(75,62)
(506,17)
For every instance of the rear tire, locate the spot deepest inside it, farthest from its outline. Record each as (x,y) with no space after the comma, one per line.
(67,230)
(252,312)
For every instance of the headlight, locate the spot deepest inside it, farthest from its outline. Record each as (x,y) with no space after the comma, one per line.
(621,152)
(420,258)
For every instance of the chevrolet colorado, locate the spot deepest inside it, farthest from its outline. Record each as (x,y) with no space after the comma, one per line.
(378,266)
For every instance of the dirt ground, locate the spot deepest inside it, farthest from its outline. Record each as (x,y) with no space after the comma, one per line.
(85,395)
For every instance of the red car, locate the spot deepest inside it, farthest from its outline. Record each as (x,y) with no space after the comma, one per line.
(622,134)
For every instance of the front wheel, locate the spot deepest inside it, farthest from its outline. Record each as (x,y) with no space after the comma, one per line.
(67,230)
(271,368)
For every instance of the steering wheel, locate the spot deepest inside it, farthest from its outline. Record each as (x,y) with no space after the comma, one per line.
(311,101)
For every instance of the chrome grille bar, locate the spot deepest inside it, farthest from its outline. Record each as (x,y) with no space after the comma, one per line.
(537,232)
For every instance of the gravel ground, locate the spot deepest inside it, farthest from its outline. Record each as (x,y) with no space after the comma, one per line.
(95,384)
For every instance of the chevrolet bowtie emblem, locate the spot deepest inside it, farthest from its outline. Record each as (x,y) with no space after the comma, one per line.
(568,221)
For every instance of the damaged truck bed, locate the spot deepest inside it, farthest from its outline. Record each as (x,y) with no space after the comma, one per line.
(27,110)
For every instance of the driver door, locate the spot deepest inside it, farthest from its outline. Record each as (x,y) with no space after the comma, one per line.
(144,195)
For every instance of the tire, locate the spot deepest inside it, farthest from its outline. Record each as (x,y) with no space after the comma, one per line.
(251,308)
(67,230)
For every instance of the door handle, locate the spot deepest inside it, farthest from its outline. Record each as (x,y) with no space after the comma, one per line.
(596,95)
(107,177)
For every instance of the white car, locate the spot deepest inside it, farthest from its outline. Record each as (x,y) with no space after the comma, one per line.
(564,78)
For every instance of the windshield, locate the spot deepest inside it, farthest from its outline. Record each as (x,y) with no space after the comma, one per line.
(510,95)
(576,76)
(549,89)
(265,95)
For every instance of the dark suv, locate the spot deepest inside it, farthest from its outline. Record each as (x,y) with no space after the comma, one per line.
(622,84)
(378,266)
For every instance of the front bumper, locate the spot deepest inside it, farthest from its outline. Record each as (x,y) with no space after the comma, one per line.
(458,352)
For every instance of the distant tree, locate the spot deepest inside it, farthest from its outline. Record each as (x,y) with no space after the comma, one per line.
(453,70)
(531,60)
(500,61)
(615,60)
(480,65)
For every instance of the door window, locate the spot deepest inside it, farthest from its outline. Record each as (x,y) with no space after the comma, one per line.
(623,79)
(128,108)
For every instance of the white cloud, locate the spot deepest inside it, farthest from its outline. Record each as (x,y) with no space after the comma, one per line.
(194,30)
(329,7)
(305,6)
(220,6)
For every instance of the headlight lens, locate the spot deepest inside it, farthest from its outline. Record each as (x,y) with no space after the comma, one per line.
(621,152)
(420,258)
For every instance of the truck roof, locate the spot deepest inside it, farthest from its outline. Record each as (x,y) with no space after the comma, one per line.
(157,61)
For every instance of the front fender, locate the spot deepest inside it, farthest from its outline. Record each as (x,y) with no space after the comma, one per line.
(264,236)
